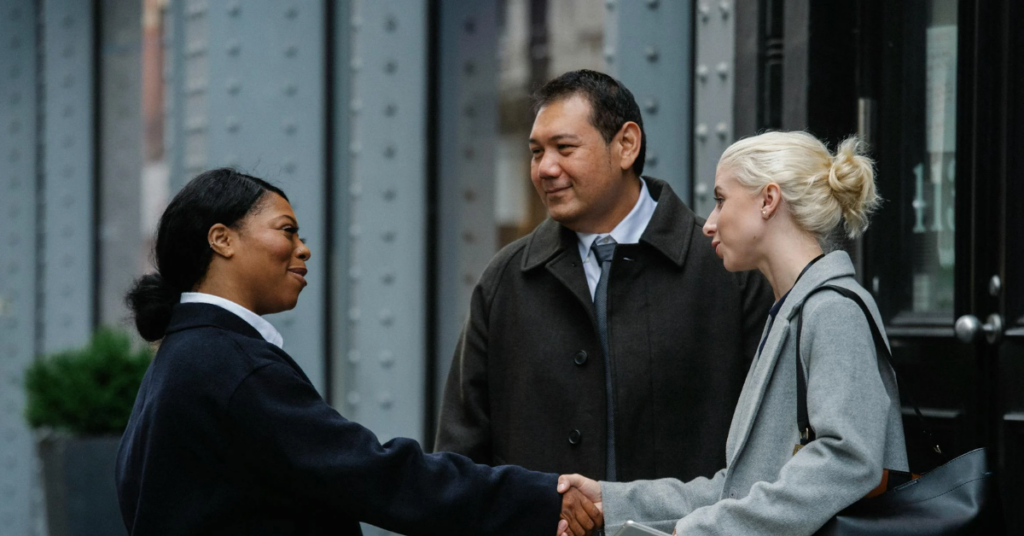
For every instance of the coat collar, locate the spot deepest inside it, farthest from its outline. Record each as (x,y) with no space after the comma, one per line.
(196,315)
(669,230)
(835,265)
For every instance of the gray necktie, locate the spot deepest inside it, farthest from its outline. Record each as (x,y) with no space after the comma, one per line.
(604,254)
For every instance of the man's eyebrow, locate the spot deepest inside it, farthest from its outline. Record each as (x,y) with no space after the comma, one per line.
(559,137)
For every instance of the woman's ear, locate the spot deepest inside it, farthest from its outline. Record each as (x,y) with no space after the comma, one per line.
(222,240)
(771,198)
(629,138)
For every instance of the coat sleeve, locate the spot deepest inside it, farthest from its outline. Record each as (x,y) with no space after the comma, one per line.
(464,425)
(311,451)
(657,503)
(847,404)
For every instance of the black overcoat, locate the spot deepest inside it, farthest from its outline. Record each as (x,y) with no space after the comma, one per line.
(228,436)
(527,384)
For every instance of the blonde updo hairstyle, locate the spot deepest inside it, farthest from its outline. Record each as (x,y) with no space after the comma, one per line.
(821,189)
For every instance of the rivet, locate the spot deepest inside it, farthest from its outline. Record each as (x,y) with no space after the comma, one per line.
(389,151)
(387,277)
(387,358)
(701,131)
(469,194)
(355,106)
(651,159)
(355,148)
(388,236)
(702,72)
(386,317)
(651,105)
(469,68)
(468,153)
(723,70)
(289,167)
(288,320)
(726,9)
(469,110)
(353,314)
(651,53)
(653,4)
(390,23)
(390,109)
(353,356)
(354,230)
(469,25)
(468,279)
(291,12)
(234,48)
(390,66)
(385,400)
(356,64)
(356,23)
(468,237)
(290,127)
(291,51)
(704,10)
(609,4)
(722,129)
(390,194)
(234,9)
(354,273)
(609,54)
(231,160)
(234,87)
(233,124)
(352,398)
(291,90)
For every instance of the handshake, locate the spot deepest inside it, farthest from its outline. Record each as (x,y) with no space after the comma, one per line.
(582,512)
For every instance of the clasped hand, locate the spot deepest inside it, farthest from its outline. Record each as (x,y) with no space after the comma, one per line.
(582,512)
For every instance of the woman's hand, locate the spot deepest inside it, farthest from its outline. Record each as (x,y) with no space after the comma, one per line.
(581,505)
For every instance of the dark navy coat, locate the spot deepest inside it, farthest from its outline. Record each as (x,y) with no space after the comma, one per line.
(228,436)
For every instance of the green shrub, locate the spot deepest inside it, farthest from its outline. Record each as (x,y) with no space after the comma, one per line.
(90,390)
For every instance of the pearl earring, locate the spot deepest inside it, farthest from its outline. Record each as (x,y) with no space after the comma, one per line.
(764,214)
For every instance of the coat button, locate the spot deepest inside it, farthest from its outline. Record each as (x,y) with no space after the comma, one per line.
(581,357)
(575,437)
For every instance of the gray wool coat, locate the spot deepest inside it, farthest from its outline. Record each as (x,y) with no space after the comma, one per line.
(527,383)
(765,488)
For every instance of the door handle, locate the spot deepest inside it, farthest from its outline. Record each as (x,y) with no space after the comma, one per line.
(968,327)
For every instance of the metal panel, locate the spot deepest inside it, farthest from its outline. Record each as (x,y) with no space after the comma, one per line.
(713,96)
(382,378)
(119,235)
(648,48)
(186,80)
(264,116)
(67,301)
(468,118)
(18,198)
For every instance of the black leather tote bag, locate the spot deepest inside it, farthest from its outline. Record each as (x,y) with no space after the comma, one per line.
(957,498)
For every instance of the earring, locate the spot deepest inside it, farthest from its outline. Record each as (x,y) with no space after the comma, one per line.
(764,214)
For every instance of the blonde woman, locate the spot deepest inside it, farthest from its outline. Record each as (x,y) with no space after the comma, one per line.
(782,202)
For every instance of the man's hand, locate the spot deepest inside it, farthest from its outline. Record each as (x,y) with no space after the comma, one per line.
(581,506)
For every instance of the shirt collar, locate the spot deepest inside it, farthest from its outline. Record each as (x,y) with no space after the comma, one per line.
(631,228)
(266,329)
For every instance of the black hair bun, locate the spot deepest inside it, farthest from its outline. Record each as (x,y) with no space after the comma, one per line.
(151,300)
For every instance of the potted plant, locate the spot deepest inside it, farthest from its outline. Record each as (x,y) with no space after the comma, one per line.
(79,401)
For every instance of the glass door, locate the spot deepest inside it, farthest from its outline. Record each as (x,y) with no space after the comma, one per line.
(940,89)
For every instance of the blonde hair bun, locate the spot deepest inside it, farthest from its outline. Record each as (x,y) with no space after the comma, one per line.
(821,189)
(852,179)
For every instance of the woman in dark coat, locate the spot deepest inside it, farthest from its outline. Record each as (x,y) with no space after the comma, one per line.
(228,436)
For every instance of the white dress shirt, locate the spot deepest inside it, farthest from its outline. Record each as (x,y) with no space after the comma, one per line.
(266,329)
(628,231)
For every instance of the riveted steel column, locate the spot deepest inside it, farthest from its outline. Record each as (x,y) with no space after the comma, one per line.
(68,267)
(186,80)
(119,239)
(264,116)
(713,96)
(469,131)
(18,198)
(381,381)
(648,48)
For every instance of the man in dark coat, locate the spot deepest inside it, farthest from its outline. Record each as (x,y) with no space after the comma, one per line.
(641,386)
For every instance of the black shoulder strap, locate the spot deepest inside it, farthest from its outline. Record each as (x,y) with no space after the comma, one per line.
(803,422)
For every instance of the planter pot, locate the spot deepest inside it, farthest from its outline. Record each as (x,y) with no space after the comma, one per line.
(78,479)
